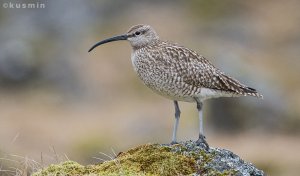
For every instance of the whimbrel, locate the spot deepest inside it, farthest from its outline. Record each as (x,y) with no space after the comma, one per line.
(178,73)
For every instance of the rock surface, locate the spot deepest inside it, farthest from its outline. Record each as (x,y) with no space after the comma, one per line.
(185,158)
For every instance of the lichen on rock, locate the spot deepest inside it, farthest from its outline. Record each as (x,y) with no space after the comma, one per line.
(185,158)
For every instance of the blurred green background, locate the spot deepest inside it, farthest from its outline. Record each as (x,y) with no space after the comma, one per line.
(58,101)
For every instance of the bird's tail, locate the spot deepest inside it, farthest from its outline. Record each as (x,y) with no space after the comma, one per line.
(241,89)
(252,92)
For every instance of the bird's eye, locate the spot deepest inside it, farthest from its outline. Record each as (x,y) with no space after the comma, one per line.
(137,33)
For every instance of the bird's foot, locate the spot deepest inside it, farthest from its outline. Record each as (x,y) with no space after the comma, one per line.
(173,142)
(202,142)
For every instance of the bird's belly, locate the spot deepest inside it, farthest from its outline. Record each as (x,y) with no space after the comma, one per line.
(162,84)
(173,95)
(183,94)
(173,89)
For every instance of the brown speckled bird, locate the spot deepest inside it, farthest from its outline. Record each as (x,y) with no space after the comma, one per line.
(178,73)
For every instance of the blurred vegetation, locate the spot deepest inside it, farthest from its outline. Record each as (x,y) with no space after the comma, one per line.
(55,93)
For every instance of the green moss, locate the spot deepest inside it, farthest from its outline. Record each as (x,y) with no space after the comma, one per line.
(66,168)
(150,160)
(145,160)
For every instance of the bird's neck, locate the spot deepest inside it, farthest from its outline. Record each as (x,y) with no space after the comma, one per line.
(148,44)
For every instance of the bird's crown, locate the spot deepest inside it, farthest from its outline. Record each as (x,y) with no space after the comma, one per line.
(141,35)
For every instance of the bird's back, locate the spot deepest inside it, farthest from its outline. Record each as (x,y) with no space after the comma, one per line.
(181,74)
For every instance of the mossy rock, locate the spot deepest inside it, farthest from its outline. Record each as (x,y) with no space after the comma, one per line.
(185,158)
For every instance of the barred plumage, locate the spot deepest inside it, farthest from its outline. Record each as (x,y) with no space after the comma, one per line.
(178,73)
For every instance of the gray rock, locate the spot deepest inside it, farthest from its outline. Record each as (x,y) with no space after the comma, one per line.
(216,159)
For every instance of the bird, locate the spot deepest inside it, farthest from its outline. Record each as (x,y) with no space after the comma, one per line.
(178,73)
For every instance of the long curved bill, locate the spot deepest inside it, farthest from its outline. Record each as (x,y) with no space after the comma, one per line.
(116,38)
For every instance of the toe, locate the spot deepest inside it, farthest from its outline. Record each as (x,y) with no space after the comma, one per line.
(174,142)
(202,142)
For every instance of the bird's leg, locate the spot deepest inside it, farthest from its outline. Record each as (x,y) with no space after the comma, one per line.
(177,116)
(201,139)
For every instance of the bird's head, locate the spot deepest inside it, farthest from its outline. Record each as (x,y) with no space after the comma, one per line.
(138,36)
